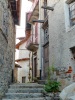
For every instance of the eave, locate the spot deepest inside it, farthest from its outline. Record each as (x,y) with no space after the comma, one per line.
(69,1)
(17,65)
(22,41)
(22,59)
(14,7)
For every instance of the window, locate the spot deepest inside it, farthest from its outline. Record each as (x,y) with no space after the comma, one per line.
(46,35)
(73,52)
(46,52)
(36,33)
(69,7)
(72,13)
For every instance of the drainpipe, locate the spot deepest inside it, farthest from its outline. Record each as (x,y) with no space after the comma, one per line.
(32,56)
(29,67)
(32,66)
(40,45)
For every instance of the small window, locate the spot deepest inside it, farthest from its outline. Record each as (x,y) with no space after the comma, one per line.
(72,13)
(73,52)
(46,35)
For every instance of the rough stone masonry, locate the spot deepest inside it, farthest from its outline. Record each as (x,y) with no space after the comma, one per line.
(7,45)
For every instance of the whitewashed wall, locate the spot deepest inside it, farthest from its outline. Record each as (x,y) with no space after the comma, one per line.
(24,71)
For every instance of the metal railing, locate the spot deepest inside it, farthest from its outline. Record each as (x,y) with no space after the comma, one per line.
(32,40)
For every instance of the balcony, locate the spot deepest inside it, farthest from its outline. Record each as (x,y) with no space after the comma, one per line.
(35,11)
(31,0)
(32,43)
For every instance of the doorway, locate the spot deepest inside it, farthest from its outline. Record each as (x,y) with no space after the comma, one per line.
(46,60)
(23,79)
(35,67)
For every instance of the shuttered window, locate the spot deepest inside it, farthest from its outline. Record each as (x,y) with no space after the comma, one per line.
(1,16)
(72,13)
(36,33)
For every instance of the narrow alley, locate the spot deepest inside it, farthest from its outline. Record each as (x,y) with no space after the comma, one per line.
(37,49)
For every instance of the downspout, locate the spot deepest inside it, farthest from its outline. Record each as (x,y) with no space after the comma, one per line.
(40,45)
(32,66)
(32,55)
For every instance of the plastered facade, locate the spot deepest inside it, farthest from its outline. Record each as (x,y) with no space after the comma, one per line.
(61,38)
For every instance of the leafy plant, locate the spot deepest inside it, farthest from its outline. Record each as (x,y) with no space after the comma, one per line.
(51,85)
(50,70)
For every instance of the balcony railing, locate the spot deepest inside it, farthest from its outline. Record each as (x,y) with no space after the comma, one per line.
(32,43)
(33,8)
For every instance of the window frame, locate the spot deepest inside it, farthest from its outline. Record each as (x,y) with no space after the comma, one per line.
(68,24)
(72,19)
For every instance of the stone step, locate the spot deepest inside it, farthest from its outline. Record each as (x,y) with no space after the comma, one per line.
(25,90)
(26,86)
(40,98)
(42,82)
(22,95)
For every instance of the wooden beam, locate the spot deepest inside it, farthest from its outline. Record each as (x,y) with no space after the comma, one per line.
(39,21)
(48,8)
(69,1)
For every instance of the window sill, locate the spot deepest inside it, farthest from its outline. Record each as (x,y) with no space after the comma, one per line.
(71,28)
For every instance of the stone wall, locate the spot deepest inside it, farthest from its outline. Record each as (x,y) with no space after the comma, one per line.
(7,45)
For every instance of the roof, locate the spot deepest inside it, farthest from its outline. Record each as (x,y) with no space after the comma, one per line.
(15,9)
(17,65)
(21,38)
(23,41)
(22,59)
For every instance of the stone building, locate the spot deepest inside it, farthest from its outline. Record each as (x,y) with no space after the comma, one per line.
(8,18)
(23,61)
(56,20)
(58,30)
(61,37)
(33,42)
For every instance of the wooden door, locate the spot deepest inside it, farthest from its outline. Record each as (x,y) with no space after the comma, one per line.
(46,60)
(23,79)
(35,67)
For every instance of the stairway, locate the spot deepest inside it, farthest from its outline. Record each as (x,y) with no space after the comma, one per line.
(28,91)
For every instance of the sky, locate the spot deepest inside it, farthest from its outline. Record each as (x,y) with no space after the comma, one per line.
(20,30)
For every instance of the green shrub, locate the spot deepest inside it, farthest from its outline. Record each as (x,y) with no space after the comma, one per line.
(52,86)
